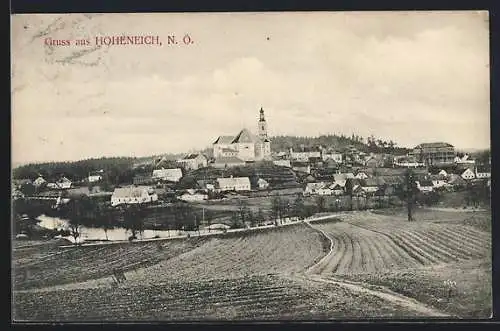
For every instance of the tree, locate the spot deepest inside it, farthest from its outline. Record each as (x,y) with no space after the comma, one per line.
(208,218)
(276,207)
(260,216)
(408,191)
(321,203)
(298,207)
(134,220)
(107,220)
(79,212)
(235,221)
(243,210)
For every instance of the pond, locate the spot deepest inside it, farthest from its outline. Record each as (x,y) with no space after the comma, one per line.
(92,234)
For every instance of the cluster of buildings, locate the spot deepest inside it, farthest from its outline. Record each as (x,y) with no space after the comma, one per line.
(322,170)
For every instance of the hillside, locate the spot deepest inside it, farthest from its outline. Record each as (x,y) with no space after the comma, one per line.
(274,175)
(339,142)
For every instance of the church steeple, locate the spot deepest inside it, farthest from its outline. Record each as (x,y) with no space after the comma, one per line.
(262,125)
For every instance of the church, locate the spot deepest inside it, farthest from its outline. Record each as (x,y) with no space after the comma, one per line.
(245,145)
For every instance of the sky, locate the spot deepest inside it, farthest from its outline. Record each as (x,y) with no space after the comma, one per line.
(411,77)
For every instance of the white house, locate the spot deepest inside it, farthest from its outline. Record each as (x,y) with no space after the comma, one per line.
(282,163)
(133,195)
(39,181)
(442,173)
(337,157)
(425,186)
(95,176)
(171,175)
(302,167)
(361,175)
(370,185)
(193,161)
(438,183)
(193,197)
(337,189)
(464,160)
(483,173)
(62,183)
(312,188)
(233,184)
(305,154)
(468,174)
(262,184)
(324,191)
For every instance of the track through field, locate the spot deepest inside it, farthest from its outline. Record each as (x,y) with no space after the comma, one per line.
(384,293)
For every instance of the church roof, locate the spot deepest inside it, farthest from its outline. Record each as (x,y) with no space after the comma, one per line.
(224,140)
(244,137)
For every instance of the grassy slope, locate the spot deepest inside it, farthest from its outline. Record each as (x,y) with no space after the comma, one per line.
(473,298)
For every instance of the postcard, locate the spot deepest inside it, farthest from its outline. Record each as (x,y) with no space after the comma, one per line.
(266,166)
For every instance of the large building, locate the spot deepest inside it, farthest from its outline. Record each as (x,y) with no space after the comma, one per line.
(193,161)
(434,153)
(245,146)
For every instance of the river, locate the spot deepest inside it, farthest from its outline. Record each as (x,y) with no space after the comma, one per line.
(93,234)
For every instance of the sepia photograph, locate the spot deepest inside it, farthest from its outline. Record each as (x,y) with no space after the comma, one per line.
(257,166)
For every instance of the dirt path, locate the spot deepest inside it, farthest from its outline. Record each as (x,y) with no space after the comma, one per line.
(378,291)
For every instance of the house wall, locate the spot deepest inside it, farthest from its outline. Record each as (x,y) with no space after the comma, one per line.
(246,151)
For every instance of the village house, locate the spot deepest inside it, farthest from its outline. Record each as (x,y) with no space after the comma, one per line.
(324,191)
(227,162)
(170,175)
(374,162)
(301,167)
(282,163)
(61,184)
(371,185)
(465,159)
(337,189)
(39,181)
(361,175)
(439,183)
(193,161)
(442,174)
(143,179)
(468,174)
(233,184)
(407,162)
(193,196)
(245,145)
(425,185)
(331,155)
(338,183)
(483,172)
(312,188)
(438,153)
(133,195)
(95,176)
(262,184)
(305,154)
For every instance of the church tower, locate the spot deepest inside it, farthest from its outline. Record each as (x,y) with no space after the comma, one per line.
(262,125)
(264,145)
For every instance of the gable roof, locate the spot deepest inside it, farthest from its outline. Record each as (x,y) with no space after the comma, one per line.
(434,145)
(224,140)
(192,156)
(233,181)
(244,137)
(130,191)
(167,172)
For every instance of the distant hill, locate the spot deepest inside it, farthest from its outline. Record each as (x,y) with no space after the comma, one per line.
(338,142)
